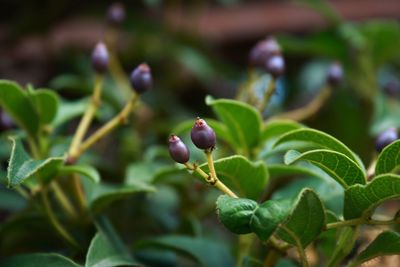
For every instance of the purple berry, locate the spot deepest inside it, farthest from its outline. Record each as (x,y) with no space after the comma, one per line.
(203,136)
(6,123)
(335,74)
(262,51)
(100,58)
(178,150)
(392,88)
(116,14)
(275,65)
(386,138)
(141,79)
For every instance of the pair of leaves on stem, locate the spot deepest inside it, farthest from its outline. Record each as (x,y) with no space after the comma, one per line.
(305,219)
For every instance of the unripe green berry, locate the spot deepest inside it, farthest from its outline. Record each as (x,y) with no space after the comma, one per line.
(141,78)
(178,150)
(202,135)
(100,58)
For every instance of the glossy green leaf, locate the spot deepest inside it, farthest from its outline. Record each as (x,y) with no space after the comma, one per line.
(307,219)
(85,170)
(46,104)
(389,159)
(69,110)
(207,252)
(361,200)
(262,219)
(17,104)
(102,254)
(320,140)
(236,213)
(276,128)
(244,177)
(340,167)
(38,259)
(242,121)
(102,195)
(386,243)
(22,167)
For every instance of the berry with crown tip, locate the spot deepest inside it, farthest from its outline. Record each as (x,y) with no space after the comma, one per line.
(392,88)
(178,150)
(262,51)
(275,65)
(116,14)
(100,58)
(385,138)
(335,74)
(202,135)
(141,79)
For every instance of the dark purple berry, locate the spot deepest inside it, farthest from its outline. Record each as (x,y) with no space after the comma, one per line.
(203,136)
(6,123)
(100,58)
(335,74)
(178,150)
(262,51)
(392,88)
(141,79)
(275,66)
(116,14)
(386,138)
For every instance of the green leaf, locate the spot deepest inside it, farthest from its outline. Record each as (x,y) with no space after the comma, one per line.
(341,168)
(262,219)
(17,104)
(386,243)
(102,254)
(307,219)
(344,245)
(46,104)
(320,140)
(246,178)
(69,110)
(361,200)
(242,121)
(38,259)
(389,159)
(207,252)
(102,195)
(85,170)
(22,167)
(276,128)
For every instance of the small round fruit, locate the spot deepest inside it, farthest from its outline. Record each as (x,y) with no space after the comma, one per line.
(100,58)
(6,123)
(392,88)
(141,79)
(385,138)
(275,65)
(335,74)
(178,150)
(116,14)
(203,136)
(262,51)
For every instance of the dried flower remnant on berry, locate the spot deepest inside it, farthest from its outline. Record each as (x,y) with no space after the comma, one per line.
(141,78)
(202,135)
(335,74)
(178,150)
(386,138)
(100,58)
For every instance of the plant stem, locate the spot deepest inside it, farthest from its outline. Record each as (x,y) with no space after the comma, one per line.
(371,168)
(310,109)
(54,222)
(106,129)
(79,192)
(300,248)
(63,200)
(214,182)
(269,91)
(272,258)
(345,223)
(88,115)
